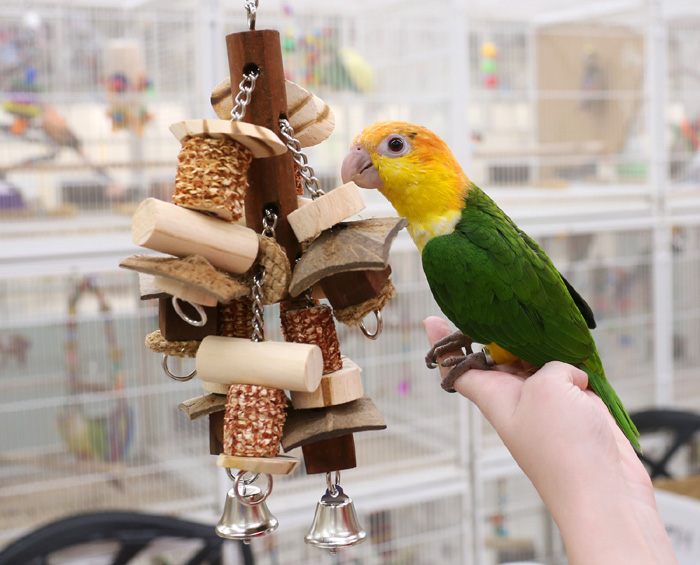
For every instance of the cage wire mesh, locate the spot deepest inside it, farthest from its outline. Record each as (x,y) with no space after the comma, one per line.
(551,109)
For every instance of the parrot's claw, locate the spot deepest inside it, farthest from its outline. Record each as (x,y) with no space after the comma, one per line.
(461,364)
(452,342)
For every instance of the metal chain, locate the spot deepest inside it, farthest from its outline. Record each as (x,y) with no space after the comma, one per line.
(269,225)
(311,183)
(256,295)
(251,7)
(245,89)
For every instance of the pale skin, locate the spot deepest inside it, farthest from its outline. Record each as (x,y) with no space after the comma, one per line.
(568,444)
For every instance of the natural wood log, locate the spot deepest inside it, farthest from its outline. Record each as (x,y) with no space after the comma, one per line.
(260,141)
(349,246)
(338,387)
(289,366)
(174,328)
(185,292)
(327,455)
(353,287)
(326,211)
(178,231)
(204,405)
(280,465)
(270,181)
(312,119)
(308,426)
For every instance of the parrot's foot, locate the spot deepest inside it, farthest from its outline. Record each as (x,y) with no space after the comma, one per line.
(461,364)
(448,343)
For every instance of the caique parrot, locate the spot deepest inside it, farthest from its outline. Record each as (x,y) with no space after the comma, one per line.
(488,277)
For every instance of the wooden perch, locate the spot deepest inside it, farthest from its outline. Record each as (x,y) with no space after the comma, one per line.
(326,211)
(275,364)
(307,426)
(350,246)
(178,231)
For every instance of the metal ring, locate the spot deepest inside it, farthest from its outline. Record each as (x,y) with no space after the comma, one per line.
(487,355)
(174,377)
(332,485)
(252,8)
(202,314)
(380,326)
(250,501)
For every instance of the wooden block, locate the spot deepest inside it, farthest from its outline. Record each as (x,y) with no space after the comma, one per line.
(204,405)
(307,426)
(312,119)
(338,387)
(175,230)
(147,288)
(216,433)
(326,211)
(328,455)
(350,246)
(185,292)
(353,287)
(275,364)
(260,141)
(280,465)
(174,328)
(193,271)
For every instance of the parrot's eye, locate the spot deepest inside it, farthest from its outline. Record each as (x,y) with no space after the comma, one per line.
(396,144)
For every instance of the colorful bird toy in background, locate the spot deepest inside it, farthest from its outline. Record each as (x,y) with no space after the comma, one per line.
(104,436)
(489,64)
(488,277)
(126,84)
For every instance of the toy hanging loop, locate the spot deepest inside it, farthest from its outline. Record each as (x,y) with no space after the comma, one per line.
(378,330)
(251,7)
(241,496)
(175,377)
(245,91)
(332,485)
(311,183)
(202,314)
(269,223)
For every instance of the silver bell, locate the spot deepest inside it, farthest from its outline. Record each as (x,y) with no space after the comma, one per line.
(335,523)
(246,514)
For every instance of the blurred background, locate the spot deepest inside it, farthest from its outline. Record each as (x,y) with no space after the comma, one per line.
(582,120)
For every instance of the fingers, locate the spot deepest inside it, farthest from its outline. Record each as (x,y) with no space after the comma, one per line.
(437,328)
(559,370)
(494,392)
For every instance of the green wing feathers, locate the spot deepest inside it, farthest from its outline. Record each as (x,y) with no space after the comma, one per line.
(497,285)
(600,385)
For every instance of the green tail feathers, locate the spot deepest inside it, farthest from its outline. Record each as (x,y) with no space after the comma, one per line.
(601,386)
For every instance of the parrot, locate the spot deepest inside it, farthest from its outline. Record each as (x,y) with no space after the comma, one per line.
(491,280)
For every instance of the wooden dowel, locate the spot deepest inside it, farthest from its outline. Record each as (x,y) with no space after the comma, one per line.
(289,366)
(178,231)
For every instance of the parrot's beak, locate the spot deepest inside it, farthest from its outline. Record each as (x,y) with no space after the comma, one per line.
(358,168)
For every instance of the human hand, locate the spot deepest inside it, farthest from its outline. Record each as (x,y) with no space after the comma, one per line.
(568,444)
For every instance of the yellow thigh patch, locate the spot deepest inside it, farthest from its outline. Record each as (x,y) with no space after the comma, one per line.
(500,355)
